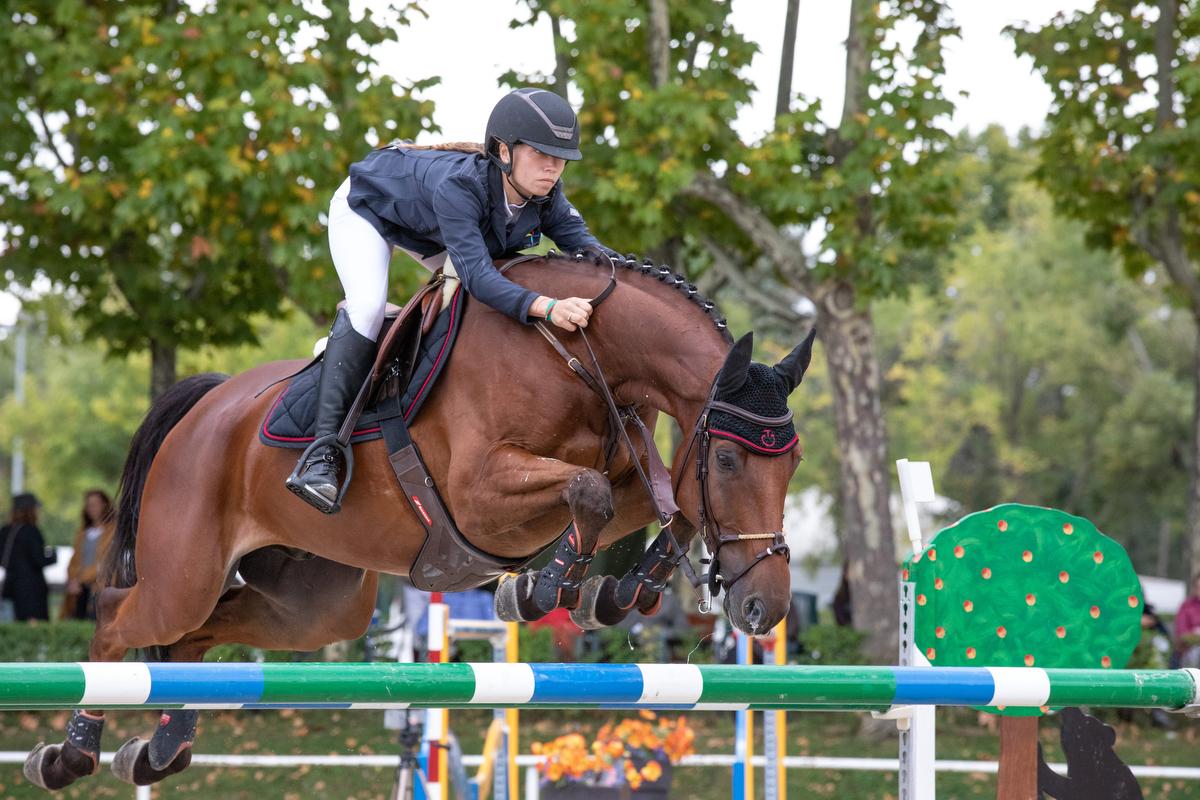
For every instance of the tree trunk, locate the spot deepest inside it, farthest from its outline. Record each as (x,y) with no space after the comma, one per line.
(1162,564)
(868,540)
(659,42)
(562,59)
(162,368)
(787,62)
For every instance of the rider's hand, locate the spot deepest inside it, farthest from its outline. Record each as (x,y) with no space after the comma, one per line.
(571,313)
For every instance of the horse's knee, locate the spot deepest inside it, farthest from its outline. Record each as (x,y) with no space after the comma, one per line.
(589,494)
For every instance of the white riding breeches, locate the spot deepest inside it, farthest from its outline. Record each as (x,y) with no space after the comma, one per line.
(361,257)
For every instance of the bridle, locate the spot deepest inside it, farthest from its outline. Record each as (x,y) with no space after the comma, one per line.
(713,537)
(658,481)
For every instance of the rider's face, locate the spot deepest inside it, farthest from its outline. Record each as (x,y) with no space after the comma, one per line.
(534,172)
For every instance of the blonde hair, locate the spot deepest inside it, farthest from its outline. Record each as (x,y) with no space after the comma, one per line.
(462,147)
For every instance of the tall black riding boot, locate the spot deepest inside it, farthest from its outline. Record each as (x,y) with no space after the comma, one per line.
(348,358)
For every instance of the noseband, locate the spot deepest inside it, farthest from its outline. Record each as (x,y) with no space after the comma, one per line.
(712,535)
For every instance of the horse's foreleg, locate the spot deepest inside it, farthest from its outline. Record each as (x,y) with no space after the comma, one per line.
(529,487)
(589,496)
(605,600)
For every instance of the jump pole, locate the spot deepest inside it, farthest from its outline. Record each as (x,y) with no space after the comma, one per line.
(673,687)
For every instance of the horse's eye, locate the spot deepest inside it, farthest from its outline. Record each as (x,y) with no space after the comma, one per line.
(726,460)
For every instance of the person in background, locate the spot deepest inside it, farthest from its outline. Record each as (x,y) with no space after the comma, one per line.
(1187,628)
(91,541)
(23,554)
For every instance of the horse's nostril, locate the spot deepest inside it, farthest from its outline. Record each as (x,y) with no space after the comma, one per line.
(753,611)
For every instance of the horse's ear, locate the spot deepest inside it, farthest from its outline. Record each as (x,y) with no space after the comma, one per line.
(737,366)
(793,366)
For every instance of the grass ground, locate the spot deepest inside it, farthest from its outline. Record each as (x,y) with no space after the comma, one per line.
(340,732)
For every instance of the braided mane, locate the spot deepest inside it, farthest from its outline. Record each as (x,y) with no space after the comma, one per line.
(663,274)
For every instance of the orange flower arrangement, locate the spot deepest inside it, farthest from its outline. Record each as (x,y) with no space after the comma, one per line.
(616,752)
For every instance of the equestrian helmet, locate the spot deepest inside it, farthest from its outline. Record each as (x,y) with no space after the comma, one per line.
(538,118)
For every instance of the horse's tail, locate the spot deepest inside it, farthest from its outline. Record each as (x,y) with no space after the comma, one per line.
(118,568)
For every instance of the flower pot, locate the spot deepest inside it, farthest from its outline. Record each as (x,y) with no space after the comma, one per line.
(656,790)
(583,791)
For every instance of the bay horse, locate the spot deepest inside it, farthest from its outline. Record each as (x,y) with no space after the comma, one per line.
(515,442)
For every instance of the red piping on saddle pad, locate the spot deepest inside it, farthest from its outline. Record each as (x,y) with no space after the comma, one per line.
(267,433)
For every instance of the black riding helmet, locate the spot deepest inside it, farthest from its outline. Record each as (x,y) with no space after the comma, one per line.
(535,117)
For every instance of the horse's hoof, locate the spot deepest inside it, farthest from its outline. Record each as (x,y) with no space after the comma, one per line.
(585,614)
(649,603)
(55,766)
(132,763)
(514,599)
(176,731)
(42,756)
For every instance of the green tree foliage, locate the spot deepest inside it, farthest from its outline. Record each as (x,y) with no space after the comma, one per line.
(1121,152)
(168,164)
(1037,374)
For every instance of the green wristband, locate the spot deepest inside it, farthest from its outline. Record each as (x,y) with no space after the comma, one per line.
(549,309)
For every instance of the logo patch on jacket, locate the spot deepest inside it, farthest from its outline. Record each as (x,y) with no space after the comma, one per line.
(533,237)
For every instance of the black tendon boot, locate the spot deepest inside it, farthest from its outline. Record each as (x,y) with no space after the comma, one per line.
(348,357)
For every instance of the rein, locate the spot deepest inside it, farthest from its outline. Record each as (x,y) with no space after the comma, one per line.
(658,484)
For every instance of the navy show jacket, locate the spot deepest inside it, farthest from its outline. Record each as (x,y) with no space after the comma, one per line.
(428,201)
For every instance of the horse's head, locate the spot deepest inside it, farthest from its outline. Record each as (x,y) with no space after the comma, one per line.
(746,449)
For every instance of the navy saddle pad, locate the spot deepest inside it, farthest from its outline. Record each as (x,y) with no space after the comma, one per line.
(292,418)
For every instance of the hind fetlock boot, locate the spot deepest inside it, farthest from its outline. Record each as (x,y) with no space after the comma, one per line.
(348,358)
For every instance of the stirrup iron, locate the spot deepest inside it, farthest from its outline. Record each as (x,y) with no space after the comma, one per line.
(315,500)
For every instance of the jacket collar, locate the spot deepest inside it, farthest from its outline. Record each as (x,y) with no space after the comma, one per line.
(499,200)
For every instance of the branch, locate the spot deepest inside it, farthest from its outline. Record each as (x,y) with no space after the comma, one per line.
(659,42)
(711,282)
(50,139)
(727,268)
(1175,258)
(787,61)
(779,249)
(690,55)
(31,82)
